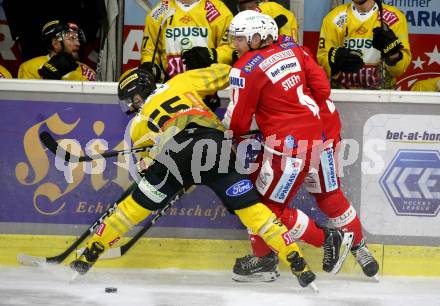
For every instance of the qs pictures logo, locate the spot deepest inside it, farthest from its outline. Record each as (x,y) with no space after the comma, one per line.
(42,169)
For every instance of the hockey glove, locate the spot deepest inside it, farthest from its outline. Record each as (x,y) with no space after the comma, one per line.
(280,20)
(213,102)
(388,44)
(199,57)
(345,60)
(58,66)
(154,69)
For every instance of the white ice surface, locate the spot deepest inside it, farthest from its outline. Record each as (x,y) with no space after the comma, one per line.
(50,285)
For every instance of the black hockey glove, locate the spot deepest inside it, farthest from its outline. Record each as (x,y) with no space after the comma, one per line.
(345,60)
(199,57)
(58,65)
(213,102)
(234,57)
(280,20)
(154,69)
(388,44)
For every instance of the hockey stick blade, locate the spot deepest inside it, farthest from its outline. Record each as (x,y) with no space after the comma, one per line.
(32,261)
(60,152)
(347,243)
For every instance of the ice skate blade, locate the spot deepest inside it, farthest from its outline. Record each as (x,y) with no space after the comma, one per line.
(257,277)
(313,286)
(74,276)
(376,278)
(346,245)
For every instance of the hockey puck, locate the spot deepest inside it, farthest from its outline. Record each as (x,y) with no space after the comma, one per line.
(111,289)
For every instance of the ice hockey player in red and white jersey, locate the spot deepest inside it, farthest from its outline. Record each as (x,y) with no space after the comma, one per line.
(323,183)
(277,88)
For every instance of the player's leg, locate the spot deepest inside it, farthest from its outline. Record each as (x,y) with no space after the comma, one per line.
(153,192)
(324,185)
(278,185)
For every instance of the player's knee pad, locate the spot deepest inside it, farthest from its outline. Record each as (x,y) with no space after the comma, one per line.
(296,221)
(127,214)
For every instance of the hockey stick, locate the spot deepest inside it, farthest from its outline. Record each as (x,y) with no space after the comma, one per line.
(383,27)
(169,14)
(29,260)
(60,152)
(120,251)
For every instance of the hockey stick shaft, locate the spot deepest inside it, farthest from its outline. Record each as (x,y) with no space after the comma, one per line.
(383,27)
(120,251)
(35,260)
(59,151)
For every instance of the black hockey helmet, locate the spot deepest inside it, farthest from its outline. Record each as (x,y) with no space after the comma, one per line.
(134,87)
(56,29)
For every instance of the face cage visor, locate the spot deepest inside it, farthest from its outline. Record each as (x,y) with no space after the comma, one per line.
(131,105)
(72,33)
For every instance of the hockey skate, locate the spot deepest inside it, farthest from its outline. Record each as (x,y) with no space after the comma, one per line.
(87,258)
(251,268)
(365,259)
(336,246)
(301,270)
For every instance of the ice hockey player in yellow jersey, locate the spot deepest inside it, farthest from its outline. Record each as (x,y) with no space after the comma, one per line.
(63,41)
(358,50)
(430,84)
(190,146)
(286,26)
(4,73)
(197,28)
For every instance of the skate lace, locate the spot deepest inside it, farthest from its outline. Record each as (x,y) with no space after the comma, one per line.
(328,253)
(252,262)
(363,256)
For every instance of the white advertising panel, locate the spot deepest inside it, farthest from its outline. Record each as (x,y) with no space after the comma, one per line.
(402,197)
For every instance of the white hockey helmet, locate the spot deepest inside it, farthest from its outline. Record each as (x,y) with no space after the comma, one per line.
(248,23)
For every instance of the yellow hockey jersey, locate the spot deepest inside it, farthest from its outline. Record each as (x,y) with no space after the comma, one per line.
(177,103)
(274,9)
(344,26)
(431,84)
(204,23)
(4,73)
(29,70)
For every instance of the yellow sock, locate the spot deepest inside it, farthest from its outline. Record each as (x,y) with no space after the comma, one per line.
(262,221)
(127,214)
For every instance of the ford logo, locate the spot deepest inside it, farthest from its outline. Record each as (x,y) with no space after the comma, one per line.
(239,188)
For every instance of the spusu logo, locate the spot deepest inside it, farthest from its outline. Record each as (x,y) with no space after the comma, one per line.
(239,188)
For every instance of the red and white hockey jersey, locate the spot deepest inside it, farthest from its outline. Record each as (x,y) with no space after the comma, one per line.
(281,86)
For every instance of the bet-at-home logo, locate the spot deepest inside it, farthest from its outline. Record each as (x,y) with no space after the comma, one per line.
(412,183)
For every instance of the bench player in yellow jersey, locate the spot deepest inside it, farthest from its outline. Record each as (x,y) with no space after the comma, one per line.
(63,41)
(364,44)
(4,73)
(287,25)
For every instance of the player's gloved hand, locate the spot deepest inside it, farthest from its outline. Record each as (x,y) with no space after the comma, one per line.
(280,20)
(345,60)
(199,57)
(154,69)
(59,65)
(388,44)
(234,57)
(213,102)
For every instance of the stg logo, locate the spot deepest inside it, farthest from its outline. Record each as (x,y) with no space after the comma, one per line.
(412,183)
